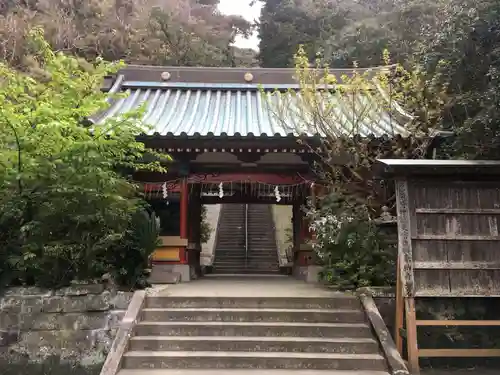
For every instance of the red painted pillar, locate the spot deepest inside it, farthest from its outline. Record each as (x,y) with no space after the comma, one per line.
(184,218)
(184,209)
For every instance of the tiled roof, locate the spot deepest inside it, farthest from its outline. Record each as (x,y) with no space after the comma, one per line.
(228,109)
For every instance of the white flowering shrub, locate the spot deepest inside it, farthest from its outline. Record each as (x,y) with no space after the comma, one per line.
(350,247)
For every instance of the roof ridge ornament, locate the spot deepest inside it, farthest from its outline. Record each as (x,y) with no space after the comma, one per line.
(165,76)
(248,77)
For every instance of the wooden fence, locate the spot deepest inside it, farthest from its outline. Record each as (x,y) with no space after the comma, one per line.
(448,242)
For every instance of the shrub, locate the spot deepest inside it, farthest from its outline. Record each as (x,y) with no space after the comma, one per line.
(65,204)
(130,256)
(350,247)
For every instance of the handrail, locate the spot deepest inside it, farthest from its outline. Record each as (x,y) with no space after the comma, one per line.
(246,235)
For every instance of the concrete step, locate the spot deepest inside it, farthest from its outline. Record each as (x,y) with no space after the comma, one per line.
(254,344)
(252,315)
(264,265)
(342,301)
(260,262)
(256,260)
(251,360)
(353,330)
(238,256)
(246,268)
(254,272)
(244,271)
(247,372)
(235,250)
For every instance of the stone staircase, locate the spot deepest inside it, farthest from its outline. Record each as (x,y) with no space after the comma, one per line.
(230,253)
(209,335)
(262,251)
(230,247)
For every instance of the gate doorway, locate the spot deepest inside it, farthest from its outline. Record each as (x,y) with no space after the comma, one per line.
(246,240)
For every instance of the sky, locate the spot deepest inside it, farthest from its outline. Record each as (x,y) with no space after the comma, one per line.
(251,13)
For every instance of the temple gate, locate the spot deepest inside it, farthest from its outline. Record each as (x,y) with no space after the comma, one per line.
(226,146)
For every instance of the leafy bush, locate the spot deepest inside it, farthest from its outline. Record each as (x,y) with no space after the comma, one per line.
(131,255)
(206,229)
(350,247)
(65,205)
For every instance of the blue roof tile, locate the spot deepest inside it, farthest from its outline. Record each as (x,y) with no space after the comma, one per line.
(196,109)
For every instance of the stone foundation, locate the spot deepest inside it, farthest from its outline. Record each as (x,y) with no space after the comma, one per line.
(170,273)
(51,332)
(309,274)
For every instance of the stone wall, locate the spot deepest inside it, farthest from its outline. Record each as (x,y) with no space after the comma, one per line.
(66,331)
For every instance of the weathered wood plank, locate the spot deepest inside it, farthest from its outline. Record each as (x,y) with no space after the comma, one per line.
(456,195)
(456,211)
(404,237)
(411,329)
(454,294)
(455,238)
(460,353)
(458,323)
(435,282)
(453,226)
(475,282)
(400,309)
(435,265)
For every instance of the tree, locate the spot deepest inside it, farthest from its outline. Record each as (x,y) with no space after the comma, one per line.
(187,32)
(339,111)
(385,24)
(468,42)
(286,24)
(65,200)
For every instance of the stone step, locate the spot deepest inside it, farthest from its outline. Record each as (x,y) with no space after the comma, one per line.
(353,330)
(242,254)
(255,260)
(250,262)
(247,372)
(235,250)
(255,344)
(241,257)
(245,267)
(241,250)
(235,268)
(254,272)
(253,315)
(244,271)
(260,263)
(341,301)
(251,360)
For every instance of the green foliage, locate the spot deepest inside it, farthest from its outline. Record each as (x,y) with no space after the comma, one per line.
(206,230)
(173,32)
(349,246)
(64,201)
(132,253)
(454,43)
(285,24)
(340,108)
(468,41)
(340,113)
